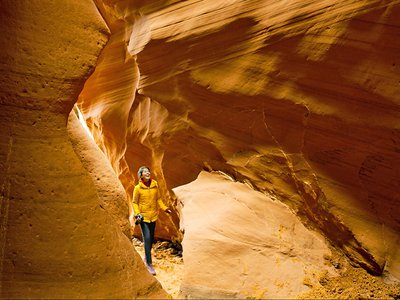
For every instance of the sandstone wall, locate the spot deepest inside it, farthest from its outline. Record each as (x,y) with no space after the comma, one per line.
(57,239)
(299,98)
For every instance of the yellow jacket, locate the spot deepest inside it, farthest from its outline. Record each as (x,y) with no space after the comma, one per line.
(147,201)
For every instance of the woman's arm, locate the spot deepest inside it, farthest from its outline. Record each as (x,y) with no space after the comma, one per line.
(161,203)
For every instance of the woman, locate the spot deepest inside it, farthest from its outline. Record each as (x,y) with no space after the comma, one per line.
(146,205)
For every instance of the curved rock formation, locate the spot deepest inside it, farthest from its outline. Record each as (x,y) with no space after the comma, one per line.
(57,238)
(241,243)
(297,99)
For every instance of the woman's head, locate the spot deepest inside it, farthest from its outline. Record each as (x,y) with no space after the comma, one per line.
(144,173)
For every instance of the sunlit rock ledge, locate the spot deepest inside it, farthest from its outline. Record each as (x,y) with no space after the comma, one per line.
(254,245)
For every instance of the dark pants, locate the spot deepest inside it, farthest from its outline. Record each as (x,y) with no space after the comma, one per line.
(148,237)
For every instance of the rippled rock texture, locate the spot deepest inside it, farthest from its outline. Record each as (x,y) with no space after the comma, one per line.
(297,99)
(59,238)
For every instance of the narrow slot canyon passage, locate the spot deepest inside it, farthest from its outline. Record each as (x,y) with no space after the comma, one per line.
(271,128)
(167,255)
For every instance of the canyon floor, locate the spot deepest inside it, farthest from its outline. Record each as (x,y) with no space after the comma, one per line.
(353,282)
(168,263)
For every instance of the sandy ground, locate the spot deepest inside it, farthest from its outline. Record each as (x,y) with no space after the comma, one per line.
(353,282)
(168,263)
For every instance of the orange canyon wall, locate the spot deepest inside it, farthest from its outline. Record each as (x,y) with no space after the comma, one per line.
(300,99)
(296,100)
(57,238)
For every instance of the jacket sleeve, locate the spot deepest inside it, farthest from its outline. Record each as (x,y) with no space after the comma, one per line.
(136,196)
(162,205)
(160,202)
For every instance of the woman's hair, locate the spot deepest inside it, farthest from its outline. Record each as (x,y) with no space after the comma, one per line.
(141,169)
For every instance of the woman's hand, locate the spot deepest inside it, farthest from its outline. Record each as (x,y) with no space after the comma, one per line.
(138,219)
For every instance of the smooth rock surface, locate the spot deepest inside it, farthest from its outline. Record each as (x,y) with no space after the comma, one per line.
(241,243)
(56,238)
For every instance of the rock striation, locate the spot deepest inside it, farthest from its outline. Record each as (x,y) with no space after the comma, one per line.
(57,238)
(298,100)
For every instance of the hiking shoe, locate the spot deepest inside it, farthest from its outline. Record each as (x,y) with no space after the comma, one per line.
(151,269)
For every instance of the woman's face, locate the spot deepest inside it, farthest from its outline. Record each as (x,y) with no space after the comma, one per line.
(146,175)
